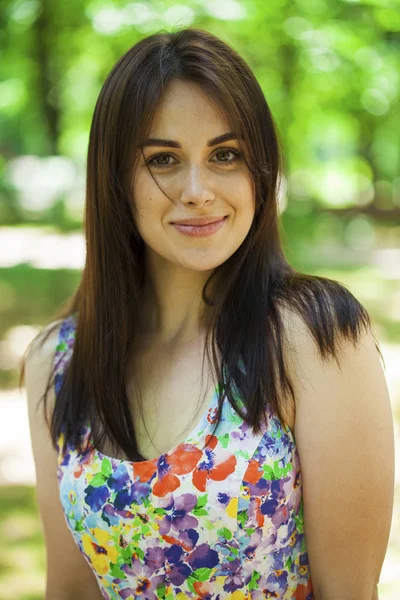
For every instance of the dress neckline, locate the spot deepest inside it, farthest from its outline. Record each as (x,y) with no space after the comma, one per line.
(197,435)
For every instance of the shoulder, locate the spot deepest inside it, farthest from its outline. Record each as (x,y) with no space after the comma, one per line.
(308,368)
(41,357)
(343,429)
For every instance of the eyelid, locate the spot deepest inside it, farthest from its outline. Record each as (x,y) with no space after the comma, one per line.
(234,151)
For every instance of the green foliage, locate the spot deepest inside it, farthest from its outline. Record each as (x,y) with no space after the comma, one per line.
(329,71)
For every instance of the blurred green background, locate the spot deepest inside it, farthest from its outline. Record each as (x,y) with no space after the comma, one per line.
(330,72)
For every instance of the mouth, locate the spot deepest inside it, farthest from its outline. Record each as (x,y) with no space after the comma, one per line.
(199,221)
(201,231)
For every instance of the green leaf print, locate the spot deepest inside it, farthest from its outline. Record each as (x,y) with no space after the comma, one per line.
(243,454)
(224,440)
(242,517)
(79,525)
(276,472)
(250,530)
(234,418)
(126,553)
(288,563)
(281,472)
(189,582)
(106,467)
(162,592)
(202,501)
(199,512)
(269,474)
(224,532)
(97,480)
(253,581)
(62,346)
(299,518)
(202,574)
(139,552)
(116,571)
(299,523)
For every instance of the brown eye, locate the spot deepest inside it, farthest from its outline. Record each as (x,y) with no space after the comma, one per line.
(163,156)
(226,151)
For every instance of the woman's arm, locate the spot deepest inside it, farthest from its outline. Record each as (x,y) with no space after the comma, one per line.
(344,435)
(69,577)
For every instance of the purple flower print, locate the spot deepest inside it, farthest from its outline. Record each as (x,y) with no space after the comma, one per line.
(277,581)
(179,519)
(95,497)
(177,571)
(134,493)
(269,506)
(146,582)
(223,498)
(119,478)
(203,556)
(154,558)
(233,583)
(112,516)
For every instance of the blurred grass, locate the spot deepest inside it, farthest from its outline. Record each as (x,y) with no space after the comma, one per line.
(22,551)
(30,295)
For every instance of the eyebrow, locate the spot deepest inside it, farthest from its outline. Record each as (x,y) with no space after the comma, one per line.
(172,144)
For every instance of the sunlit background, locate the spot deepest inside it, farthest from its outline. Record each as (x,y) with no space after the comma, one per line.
(330,72)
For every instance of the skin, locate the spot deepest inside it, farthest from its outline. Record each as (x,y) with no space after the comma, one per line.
(202,183)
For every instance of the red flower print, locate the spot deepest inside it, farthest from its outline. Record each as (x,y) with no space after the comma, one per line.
(212,415)
(303,592)
(211,467)
(253,472)
(180,462)
(259,517)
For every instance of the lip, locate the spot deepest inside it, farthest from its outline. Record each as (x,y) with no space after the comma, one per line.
(198,221)
(201,231)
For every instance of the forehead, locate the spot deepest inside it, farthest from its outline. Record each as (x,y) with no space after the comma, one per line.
(184,104)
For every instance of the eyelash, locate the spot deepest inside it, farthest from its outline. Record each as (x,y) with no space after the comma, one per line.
(237,157)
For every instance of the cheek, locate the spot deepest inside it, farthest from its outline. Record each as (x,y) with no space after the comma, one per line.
(243,196)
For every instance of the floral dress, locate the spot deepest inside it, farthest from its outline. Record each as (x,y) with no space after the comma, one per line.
(221,523)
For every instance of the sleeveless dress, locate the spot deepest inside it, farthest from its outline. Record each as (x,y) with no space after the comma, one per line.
(223,523)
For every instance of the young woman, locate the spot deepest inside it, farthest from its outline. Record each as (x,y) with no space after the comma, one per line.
(274,478)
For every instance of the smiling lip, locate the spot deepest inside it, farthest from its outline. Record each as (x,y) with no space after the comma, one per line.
(200,231)
(198,221)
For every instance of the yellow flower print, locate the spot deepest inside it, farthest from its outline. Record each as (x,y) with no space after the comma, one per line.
(232,508)
(293,539)
(238,595)
(100,548)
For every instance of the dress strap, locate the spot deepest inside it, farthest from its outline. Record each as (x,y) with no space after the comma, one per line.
(63,353)
(64,348)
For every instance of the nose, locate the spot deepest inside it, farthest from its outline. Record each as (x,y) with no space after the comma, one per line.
(196,188)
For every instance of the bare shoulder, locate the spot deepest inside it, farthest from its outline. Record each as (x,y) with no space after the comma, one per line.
(68,574)
(303,357)
(39,364)
(298,348)
(343,429)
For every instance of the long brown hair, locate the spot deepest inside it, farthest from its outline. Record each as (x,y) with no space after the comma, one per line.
(253,284)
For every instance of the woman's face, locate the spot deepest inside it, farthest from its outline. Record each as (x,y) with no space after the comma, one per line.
(204,180)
